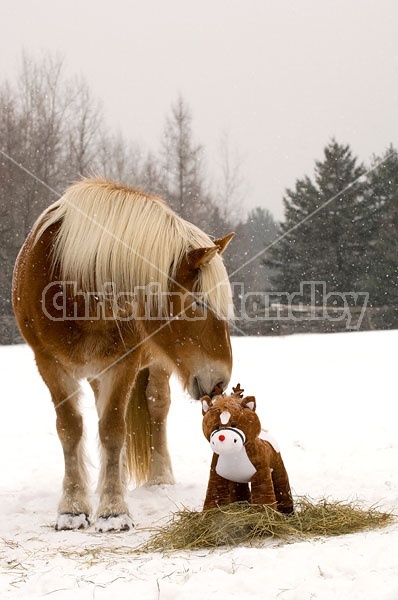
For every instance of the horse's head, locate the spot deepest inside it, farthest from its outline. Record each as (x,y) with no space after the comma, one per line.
(196,338)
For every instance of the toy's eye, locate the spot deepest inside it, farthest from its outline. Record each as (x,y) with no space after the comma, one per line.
(233,424)
(216,427)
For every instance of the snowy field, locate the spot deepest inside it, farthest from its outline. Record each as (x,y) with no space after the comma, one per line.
(332,403)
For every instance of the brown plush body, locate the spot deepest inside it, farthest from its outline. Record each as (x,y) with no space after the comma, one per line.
(241,457)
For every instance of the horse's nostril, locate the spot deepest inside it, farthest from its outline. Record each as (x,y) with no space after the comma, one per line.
(197,389)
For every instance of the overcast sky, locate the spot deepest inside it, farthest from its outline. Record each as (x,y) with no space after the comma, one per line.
(280,77)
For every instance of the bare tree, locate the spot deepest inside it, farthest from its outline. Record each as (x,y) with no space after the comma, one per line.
(118,158)
(183,181)
(231,187)
(48,130)
(151,175)
(83,137)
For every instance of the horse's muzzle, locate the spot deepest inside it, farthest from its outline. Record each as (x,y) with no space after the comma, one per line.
(197,391)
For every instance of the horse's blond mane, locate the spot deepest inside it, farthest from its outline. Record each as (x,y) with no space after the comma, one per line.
(114,233)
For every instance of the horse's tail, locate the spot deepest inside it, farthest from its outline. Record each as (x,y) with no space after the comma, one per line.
(138,443)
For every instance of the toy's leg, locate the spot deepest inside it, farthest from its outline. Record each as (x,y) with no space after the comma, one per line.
(281,486)
(239,492)
(217,489)
(263,488)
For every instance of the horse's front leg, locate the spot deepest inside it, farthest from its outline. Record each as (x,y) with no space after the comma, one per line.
(74,508)
(158,400)
(112,392)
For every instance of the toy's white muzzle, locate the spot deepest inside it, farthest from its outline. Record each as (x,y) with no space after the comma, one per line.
(227,440)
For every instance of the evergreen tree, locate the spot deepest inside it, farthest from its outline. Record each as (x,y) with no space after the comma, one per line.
(382,254)
(248,274)
(252,237)
(325,227)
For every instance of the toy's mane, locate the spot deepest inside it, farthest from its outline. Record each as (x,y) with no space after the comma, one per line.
(114,233)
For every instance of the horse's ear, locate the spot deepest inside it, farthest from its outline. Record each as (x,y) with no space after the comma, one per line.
(206,401)
(249,402)
(199,257)
(223,242)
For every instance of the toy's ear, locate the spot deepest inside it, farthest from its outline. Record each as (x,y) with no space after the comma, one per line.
(249,402)
(206,401)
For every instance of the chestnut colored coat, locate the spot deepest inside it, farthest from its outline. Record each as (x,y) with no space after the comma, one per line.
(242,455)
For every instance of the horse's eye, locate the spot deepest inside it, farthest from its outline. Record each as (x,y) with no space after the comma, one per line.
(197,305)
(233,424)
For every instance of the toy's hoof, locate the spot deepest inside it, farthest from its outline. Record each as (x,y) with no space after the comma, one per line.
(286,510)
(67,521)
(114,523)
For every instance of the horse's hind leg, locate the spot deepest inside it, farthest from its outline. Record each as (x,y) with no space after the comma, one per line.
(158,400)
(73,508)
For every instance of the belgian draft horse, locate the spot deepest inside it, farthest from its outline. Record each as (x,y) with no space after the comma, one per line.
(112,286)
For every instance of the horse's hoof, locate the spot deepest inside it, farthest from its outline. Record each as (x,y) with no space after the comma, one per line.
(114,523)
(160,480)
(71,521)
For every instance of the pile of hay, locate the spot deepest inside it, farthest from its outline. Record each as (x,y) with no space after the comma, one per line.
(247,524)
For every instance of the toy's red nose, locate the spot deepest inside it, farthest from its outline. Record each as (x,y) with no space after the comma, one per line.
(221,437)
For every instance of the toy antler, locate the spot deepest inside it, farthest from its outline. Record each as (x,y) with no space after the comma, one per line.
(217,391)
(238,391)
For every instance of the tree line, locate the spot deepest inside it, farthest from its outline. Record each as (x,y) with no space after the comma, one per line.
(340,226)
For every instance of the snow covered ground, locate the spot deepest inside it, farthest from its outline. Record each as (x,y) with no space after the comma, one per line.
(332,403)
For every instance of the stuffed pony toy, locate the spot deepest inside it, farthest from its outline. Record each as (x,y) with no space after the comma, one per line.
(243,454)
